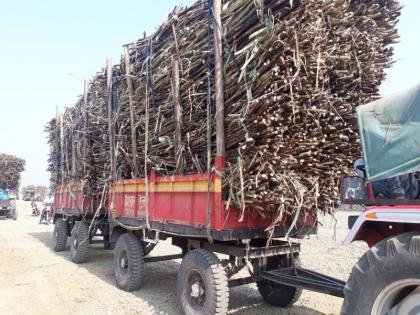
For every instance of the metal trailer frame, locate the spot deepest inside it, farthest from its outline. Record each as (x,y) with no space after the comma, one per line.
(192,205)
(125,216)
(244,243)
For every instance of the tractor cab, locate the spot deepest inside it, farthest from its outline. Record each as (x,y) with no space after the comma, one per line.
(387,181)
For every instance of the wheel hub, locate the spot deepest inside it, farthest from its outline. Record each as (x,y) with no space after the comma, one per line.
(197,291)
(123,263)
(410,305)
(399,298)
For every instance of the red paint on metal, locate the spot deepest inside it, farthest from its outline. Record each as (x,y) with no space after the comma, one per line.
(219,163)
(371,194)
(74,200)
(186,207)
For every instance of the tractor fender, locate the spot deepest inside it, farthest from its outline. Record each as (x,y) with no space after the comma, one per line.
(378,223)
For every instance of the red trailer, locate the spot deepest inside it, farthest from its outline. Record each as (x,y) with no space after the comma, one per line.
(194,212)
(191,210)
(190,205)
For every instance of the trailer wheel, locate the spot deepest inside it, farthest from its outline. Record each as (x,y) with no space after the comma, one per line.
(277,294)
(60,235)
(129,262)
(389,274)
(202,284)
(79,242)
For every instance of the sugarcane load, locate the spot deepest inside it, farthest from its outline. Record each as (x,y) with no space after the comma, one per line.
(225,131)
(293,73)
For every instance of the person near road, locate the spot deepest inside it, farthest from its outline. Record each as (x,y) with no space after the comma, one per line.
(46,210)
(35,211)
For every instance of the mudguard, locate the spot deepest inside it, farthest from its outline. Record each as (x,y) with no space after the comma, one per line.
(378,216)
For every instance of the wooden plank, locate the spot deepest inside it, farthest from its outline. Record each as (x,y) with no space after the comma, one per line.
(218,79)
(178,117)
(130,93)
(110,117)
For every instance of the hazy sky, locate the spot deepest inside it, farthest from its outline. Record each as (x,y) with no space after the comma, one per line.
(49,46)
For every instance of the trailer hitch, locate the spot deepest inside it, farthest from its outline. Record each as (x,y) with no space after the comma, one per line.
(306,279)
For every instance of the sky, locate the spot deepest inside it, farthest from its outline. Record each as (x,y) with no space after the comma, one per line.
(48,47)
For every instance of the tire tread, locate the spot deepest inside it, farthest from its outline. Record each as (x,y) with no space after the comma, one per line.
(62,232)
(79,255)
(402,245)
(282,301)
(136,252)
(415,245)
(217,278)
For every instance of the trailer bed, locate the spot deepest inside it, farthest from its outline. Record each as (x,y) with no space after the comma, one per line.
(191,205)
(188,205)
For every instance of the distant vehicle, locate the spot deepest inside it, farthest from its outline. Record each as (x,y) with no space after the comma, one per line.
(7,205)
(29,193)
(34,193)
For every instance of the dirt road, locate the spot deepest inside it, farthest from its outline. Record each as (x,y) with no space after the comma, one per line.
(35,280)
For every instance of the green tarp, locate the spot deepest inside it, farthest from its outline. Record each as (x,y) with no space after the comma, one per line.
(390,133)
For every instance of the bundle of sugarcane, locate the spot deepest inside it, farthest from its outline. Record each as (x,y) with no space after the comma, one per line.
(79,141)
(294,71)
(11,168)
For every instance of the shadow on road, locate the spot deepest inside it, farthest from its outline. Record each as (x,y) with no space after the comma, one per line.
(159,288)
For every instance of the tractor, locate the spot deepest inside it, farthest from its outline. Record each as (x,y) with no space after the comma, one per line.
(386,280)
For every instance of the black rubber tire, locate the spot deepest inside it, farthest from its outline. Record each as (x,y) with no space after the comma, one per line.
(213,275)
(277,294)
(130,247)
(392,259)
(60,235)
(79,242)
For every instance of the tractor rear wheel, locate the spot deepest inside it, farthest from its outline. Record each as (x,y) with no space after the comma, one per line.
(79,242)
(202,284)
(275,294)
(386,280)
(60,235)
(129,262)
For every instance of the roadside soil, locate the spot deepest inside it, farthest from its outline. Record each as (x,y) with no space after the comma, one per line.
(35,280)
